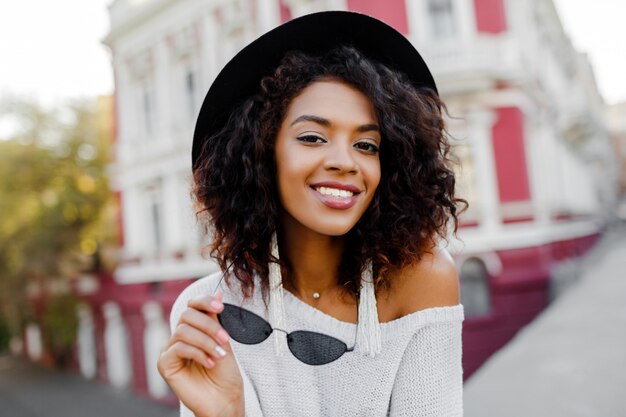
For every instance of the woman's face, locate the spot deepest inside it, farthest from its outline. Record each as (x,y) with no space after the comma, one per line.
(327,159)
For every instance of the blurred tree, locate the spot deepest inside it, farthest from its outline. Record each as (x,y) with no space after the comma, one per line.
(56,208)
(4,336)
(59,327)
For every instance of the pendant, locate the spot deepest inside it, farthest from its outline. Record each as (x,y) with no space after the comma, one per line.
(316,295)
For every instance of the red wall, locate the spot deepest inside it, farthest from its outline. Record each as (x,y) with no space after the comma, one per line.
(285,13)
(490,16)
(510,155)
(518,294)
(392,12)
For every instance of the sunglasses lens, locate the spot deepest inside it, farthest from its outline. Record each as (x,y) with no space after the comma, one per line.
(315,348)
(244,326)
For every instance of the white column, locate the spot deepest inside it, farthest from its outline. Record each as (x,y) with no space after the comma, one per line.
(132,211)
(155,336)
(171,218)
(268,15)
(480,123)
(162,112)
(209,65)
(537,160)
(466,19)
(557,171)
(176,104)
(191,227)
(116,345)
(34,346)
(124,112)
(87,359)
(417,16)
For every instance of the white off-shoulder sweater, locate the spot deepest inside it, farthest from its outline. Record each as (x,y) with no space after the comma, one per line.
(418,373)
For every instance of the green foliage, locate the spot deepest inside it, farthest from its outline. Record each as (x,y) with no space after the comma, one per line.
(56,210)
(5,335)
(59,327)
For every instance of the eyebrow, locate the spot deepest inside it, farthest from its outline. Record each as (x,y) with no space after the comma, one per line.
(327,123)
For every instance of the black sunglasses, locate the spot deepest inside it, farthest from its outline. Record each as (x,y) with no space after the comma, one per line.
(308,347)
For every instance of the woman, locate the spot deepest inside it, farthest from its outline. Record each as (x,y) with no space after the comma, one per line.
(320,169)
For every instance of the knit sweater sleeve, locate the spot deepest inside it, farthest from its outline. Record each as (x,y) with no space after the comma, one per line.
(429,382)
(200,287)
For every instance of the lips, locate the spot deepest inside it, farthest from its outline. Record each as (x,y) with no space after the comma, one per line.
(336,195)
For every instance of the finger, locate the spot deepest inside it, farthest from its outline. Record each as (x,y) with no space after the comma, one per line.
(181,350)
(194,337)
(209,304)
(206,324)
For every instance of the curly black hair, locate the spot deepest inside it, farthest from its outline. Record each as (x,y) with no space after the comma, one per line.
(235,185)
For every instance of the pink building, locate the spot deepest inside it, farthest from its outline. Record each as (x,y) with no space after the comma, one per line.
(525,115)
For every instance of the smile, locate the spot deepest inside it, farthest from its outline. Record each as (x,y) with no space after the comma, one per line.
(336,196)
(335,192)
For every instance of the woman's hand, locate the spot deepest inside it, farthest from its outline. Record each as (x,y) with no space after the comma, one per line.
(198,363)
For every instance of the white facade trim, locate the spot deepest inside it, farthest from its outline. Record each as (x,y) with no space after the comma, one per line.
(302,7)
(522,235)
(155,271)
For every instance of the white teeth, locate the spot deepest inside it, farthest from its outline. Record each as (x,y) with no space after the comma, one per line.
(335,192)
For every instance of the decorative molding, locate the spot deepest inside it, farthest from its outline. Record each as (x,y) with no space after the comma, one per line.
(184,43)
(164,271)
(518,235)
(141,65)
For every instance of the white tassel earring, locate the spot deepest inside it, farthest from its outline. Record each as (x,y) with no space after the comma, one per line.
(369,326)
(276,307)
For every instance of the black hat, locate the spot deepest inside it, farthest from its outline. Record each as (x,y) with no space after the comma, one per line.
(315,34)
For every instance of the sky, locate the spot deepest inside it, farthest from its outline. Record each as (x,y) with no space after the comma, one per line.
(52,50)
(598,28)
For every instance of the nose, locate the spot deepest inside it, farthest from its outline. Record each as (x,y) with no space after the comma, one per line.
(340,158)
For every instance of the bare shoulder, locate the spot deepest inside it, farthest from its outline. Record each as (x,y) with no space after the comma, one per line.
(433,281)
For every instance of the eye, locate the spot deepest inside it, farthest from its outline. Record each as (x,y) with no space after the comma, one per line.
(310,139)
(367,146)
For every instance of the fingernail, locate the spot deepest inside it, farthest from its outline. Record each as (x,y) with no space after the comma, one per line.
(210,363)
(220,351)
(222,336)
(217,305)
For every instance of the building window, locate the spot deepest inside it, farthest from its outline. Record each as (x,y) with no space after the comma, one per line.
(190,93)
(154,216)
(141,70)
(147,107)
(475,294)
(442,19)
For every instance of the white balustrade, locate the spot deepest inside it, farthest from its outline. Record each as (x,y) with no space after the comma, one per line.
(34,345)
(86,341)
(116,345)
(155,336)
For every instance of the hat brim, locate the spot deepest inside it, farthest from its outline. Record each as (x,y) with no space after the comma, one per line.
(314,34)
